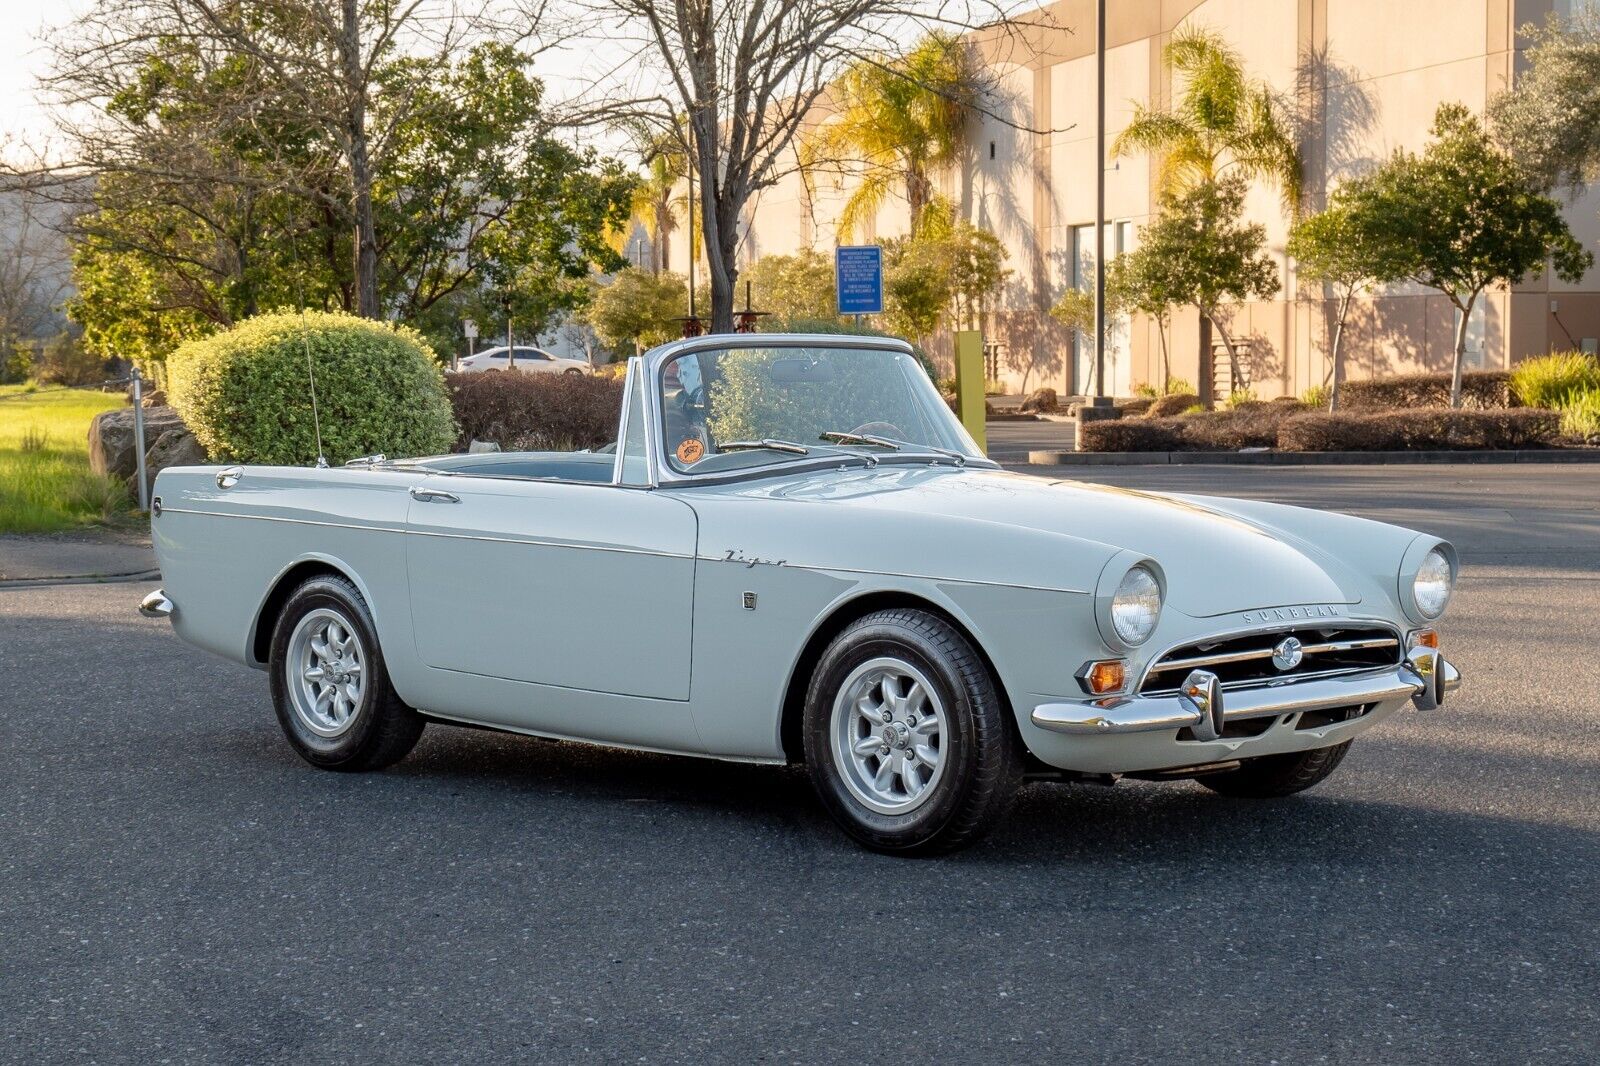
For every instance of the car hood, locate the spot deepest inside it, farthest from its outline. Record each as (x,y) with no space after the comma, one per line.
(1215,562)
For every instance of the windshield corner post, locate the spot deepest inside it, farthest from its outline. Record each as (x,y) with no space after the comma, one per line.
(970,384)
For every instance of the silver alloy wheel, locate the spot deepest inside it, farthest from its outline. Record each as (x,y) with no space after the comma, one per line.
(324,672)
(888,728)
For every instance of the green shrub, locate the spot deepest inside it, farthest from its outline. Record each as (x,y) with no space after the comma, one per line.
(1426,430)
(1480,389)
(1146,391)
(64,361)
(1580,417)
(1316,396)
(1130,435)
(1240,397)
(1136,405)
(536,412)
(245,392)
(1554,381)
(1173,403)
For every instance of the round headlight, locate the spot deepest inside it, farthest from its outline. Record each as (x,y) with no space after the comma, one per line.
(1136,606)
(1431,589)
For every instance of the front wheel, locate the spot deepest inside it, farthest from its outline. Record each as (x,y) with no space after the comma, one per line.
(330,686)
(906,738)
(1275,776)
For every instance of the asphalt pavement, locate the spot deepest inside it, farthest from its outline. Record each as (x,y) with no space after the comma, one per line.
(177,886)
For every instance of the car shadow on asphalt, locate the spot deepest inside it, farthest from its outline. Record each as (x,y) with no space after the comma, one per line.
(1133,823)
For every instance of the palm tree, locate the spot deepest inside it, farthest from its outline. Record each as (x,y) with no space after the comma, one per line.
(658,202)
(1222,121)
(901,120)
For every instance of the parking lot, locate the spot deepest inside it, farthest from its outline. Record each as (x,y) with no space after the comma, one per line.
(179,886)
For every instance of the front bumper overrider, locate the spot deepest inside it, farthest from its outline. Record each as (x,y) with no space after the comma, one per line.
(1203,706)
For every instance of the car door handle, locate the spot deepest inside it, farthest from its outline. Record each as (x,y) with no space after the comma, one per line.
(433,495)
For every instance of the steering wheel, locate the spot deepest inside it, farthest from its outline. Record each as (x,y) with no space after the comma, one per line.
(693,401)
(879,429)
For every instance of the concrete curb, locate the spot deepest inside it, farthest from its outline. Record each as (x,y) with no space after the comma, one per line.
(80,579)
(1274,458)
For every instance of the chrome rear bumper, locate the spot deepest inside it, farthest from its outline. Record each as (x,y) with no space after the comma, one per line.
(1202,705)
(156,605)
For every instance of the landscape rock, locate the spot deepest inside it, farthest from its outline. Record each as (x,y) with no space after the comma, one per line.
(111,444)
(1041,401)
(175,447)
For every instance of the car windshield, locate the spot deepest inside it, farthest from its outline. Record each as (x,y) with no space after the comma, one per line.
(735,408)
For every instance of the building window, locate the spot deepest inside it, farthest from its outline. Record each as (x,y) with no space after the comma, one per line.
(991,149)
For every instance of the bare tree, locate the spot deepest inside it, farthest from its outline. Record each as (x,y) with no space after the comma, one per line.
(34,271)
(740,78)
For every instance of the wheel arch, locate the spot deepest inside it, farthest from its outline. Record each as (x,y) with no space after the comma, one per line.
(832,624)
(282,587)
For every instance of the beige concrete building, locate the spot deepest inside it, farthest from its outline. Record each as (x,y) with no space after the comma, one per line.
(1369,72)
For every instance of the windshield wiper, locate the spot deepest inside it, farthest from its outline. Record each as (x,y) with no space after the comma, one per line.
(769,443)
(959,458)
(834,436)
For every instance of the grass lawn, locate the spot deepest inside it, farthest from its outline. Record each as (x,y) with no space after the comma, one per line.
(45,480)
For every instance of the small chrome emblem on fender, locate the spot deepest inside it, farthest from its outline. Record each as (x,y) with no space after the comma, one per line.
(1287,653)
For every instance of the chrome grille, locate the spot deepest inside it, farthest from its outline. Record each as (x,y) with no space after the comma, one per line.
(1243,660)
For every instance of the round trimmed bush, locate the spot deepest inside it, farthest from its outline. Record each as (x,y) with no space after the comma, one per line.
(246,395)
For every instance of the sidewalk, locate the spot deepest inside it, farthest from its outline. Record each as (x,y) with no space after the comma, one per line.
(91,556)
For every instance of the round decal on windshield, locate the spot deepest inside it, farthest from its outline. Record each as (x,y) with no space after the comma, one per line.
(690,451)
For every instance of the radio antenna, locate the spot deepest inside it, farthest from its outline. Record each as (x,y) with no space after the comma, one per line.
(305,342)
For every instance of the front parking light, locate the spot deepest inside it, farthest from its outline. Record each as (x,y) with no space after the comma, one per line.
(1102,676)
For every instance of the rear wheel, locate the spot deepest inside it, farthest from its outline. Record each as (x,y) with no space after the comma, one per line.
(572,370)
(906,737)
(330,686)
(1275,776)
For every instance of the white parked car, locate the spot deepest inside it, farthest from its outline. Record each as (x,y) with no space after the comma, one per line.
(529,361)
(798,555)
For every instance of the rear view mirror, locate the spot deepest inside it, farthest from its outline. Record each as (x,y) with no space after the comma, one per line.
(801,371)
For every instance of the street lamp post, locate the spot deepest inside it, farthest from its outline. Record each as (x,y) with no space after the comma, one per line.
(1100,399)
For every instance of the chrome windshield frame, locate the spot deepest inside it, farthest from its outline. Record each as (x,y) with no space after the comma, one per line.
(654,367)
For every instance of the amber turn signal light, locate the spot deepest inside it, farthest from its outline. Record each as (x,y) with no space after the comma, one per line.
(1423,638)
(1106,675)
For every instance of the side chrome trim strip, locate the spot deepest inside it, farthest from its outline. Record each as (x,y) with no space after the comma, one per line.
(430,533)
(822,569)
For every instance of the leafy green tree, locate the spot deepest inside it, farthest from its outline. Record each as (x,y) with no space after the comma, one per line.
(1141,282)
(916,288)
(898,120)
(1211,257)
(977,272)
(638,308)
(794,287)
(1549,120)
(1222,123)
(1338,247)
(1461,216)
(220,192)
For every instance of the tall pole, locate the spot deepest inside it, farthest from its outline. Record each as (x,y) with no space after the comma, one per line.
(1100,199)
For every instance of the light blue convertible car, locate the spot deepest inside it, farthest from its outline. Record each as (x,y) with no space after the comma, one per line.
(797,554)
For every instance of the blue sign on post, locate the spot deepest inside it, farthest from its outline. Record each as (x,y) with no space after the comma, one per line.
(858,278)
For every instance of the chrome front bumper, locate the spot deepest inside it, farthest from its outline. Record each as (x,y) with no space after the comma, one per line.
(1202,705)
(156,605)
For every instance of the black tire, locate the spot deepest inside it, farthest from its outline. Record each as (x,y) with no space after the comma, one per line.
(981,761)
(1276,776)
(572,370)
(381,729)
